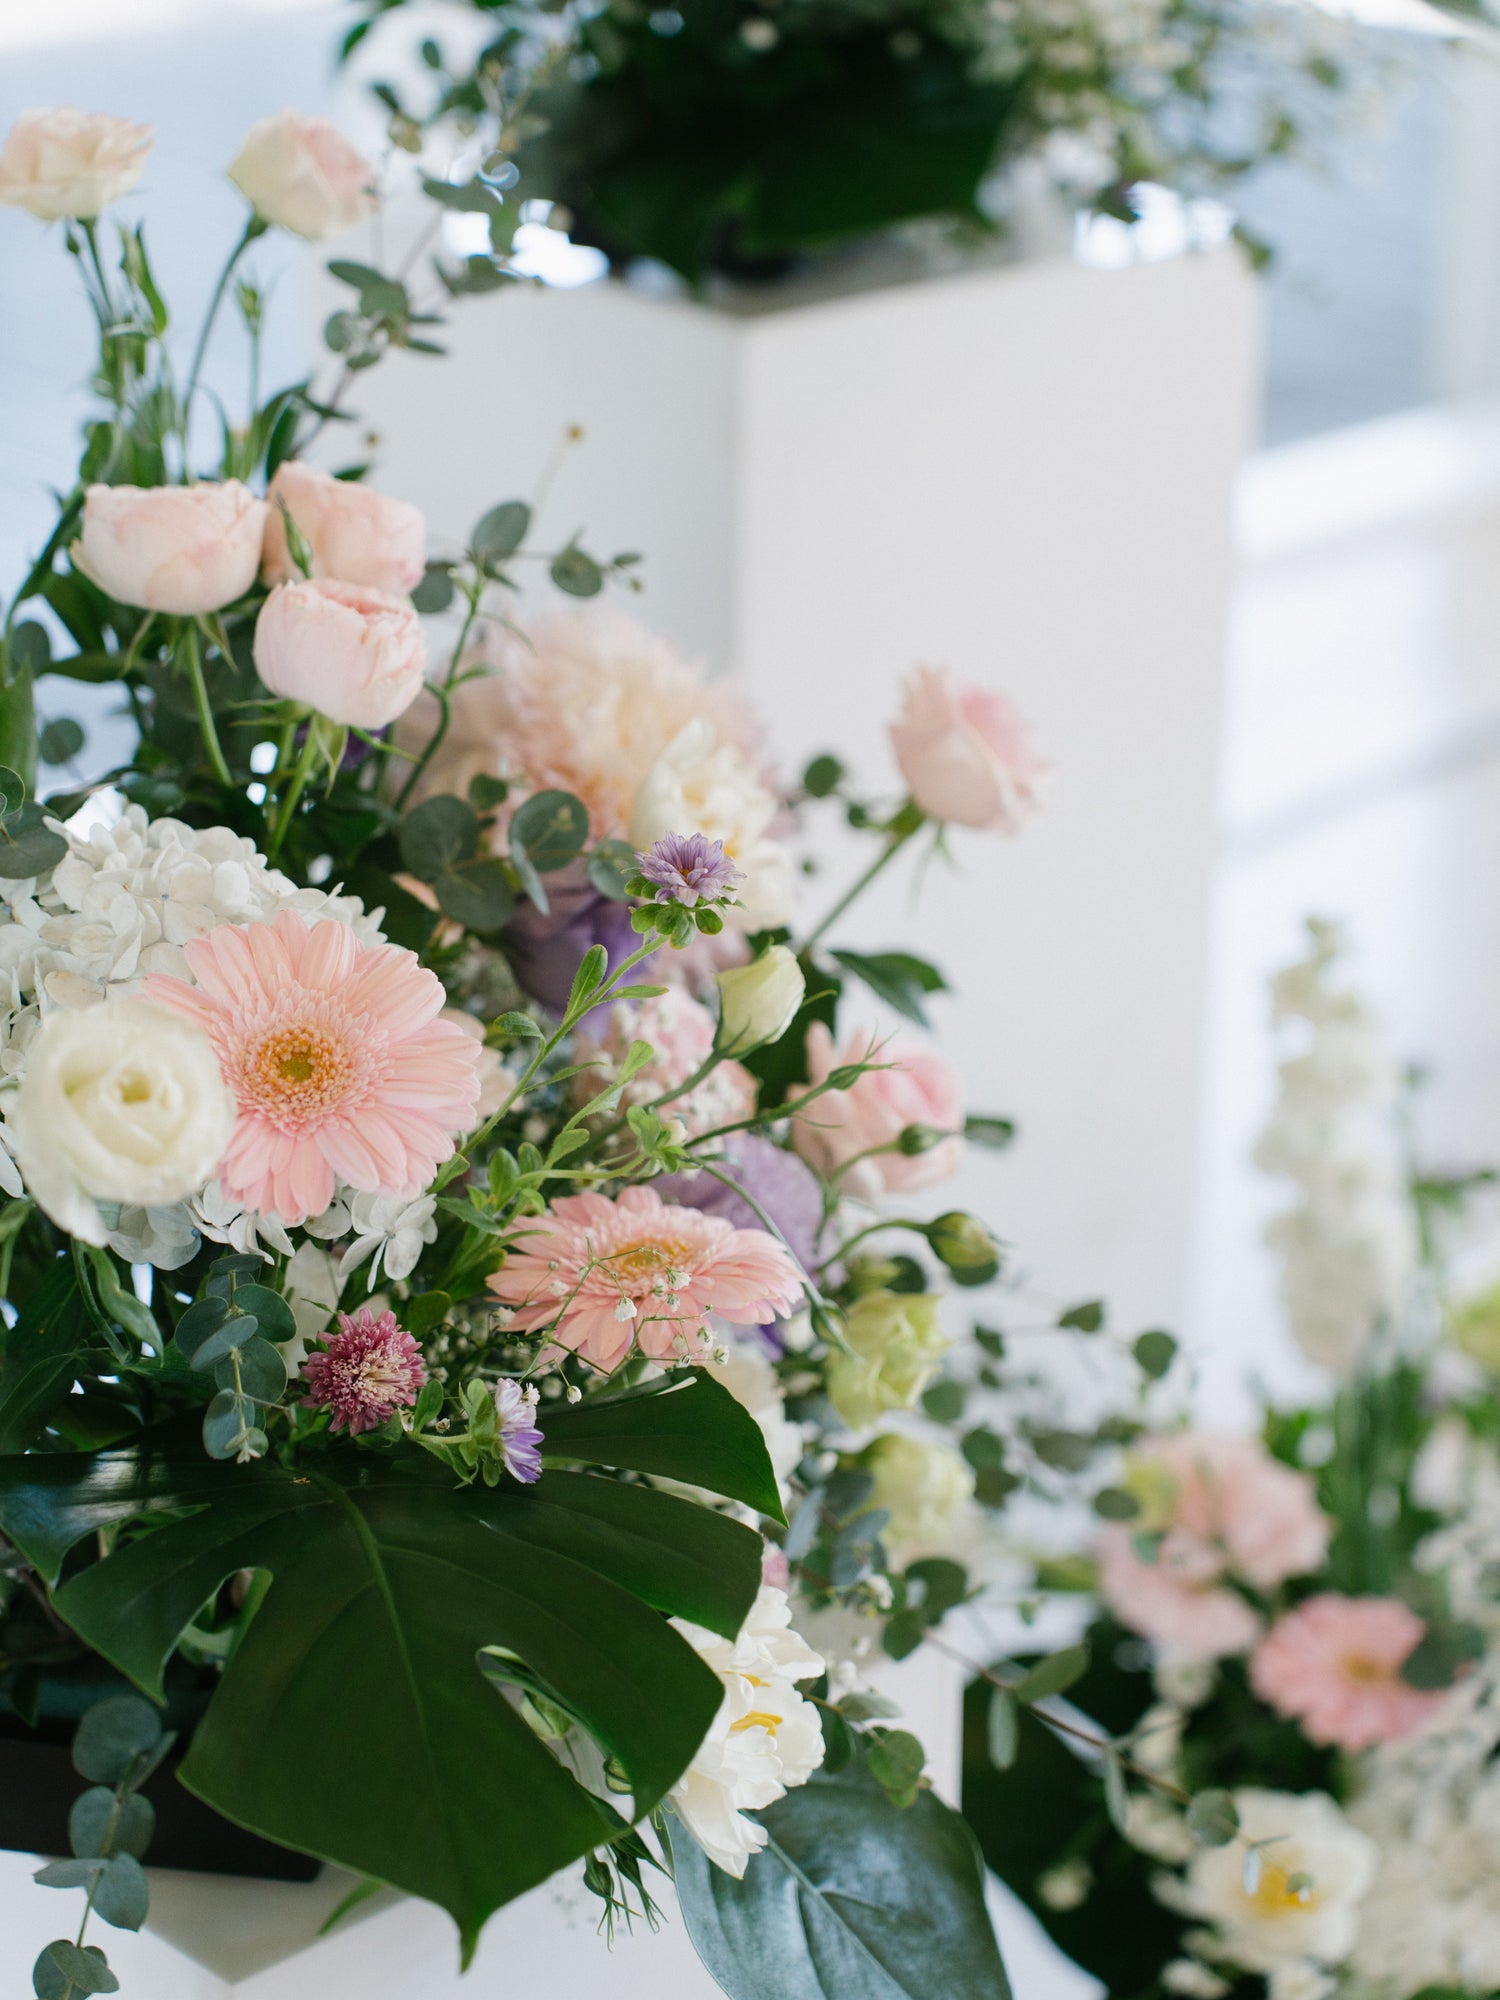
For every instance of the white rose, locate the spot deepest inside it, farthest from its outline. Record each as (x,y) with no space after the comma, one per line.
(700,785)
(303,175)
(758,1001)
(765,1739)
(1298,1898)
(70,163)
(123,1103)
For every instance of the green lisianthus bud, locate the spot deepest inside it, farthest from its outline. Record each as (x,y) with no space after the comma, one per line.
(894,1345)
(967,1249)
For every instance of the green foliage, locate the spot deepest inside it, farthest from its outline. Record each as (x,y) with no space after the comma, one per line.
(852,1898)
(41,1355)
(899,978)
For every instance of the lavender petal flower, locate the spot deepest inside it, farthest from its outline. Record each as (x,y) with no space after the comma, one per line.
(520,1439)
(689,868)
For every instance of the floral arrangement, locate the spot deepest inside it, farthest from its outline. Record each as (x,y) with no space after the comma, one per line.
(450,1190)
(741,137)
(1294,1653)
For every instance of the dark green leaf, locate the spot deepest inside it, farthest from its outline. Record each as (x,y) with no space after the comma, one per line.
(1086,1318)
(552,827)
(114,1737)
(101,1823)
(262,1375)
(1212,1819)
(270,1311)
(40,1356)
(944,1401)
(501,532)
(486,792)
(1053,1675)
(896,1760)
(69,1874)
(438,834)
(690,1429)
(12,790)
(435,592)
(1446,1650)
(60,740)
(234,1333)
(1004,1728)
(993,1132)
(1155,1352)
(851,1899)
(897,978)
(63,1970)
(388,1581)
(28,846)
(610,867)
(1068,1451)
(476,894)
(822,776)
(576,573)
(200,1322)
(122,1898)
(1113,1503)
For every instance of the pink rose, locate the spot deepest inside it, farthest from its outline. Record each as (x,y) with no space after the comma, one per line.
(966,753)
(356,534)
(355,655)
(303,175)
(1223,1511)
(180,549)
(919,1088)
(66,162)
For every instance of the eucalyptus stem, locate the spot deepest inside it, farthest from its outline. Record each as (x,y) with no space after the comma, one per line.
(194,654)
(904,825)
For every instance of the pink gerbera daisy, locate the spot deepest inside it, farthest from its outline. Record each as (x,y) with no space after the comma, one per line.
(600,1275)
(336,1057)
(1334,1664)
(369,1369)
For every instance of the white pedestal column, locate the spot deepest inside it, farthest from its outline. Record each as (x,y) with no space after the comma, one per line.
(1024,473)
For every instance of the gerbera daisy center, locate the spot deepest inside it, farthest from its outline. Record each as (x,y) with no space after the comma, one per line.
(299,1070)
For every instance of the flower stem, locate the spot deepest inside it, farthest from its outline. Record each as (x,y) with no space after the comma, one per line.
(253,228)
(287,804)
(901,829)
(194,655)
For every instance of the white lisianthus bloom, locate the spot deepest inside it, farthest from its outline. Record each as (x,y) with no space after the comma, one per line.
(765,1739)
(303,175)
(1294,1898)
(700,784)
(70,163)
(758,1001)
(121,1103)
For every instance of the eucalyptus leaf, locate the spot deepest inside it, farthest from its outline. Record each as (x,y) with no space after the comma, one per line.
(114,1737)
(262,1375)
(852,1898)
(121,1896)
(66,1969)
(552,827)
(28,846)
(438,834)
(100,1822)
(476,894)
(501,532)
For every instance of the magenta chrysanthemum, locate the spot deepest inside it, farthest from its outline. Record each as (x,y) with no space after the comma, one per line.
(369,1369)
(337,1059)
(520,1439)
(689,868)
(603,1276)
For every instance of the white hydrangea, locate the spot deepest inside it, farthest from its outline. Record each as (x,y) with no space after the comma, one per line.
(1347,1245)
(765,1739)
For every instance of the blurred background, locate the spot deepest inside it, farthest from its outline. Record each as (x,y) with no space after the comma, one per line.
(1341,748)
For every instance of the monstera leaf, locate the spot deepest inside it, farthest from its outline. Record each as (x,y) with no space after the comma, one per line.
(852,1898)
(40,1355)
(360,1719)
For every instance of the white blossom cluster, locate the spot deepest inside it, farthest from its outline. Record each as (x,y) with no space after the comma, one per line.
(130,894)
(1346,1246)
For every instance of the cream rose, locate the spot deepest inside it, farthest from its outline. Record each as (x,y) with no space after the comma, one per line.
(178,549)
(70,163)
(757,1001)
(303,175)
(702,785)
(355,655)
(925,1488)
(895,1346)
(966,753)
(356,534)
(122,1102)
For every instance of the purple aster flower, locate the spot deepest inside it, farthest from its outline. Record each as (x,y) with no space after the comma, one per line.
(689,868)
(369,1370)
(520,1440)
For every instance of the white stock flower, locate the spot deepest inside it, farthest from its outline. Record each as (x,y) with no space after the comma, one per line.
(121,1103)
(700,784)
(1296,1897)
(765,1739)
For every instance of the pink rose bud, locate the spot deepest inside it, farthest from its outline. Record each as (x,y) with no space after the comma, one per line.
(356,534)
(966,753)
(179,549)
(355,655)
(851,1129)
(303,175)
(70,163)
